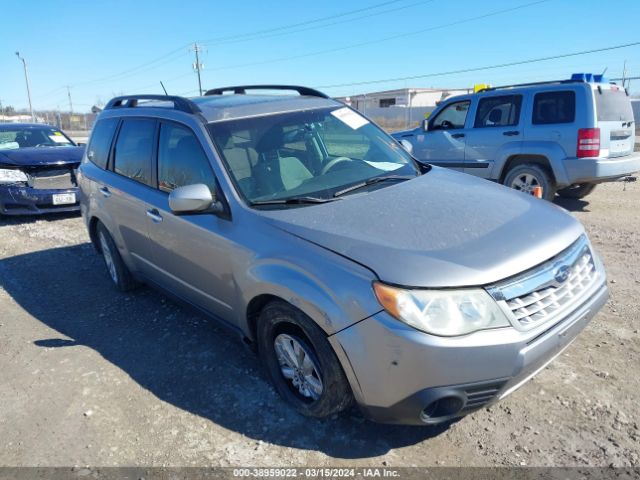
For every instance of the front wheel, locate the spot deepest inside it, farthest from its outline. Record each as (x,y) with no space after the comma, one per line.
(577,190)
(531,179)
(300,362)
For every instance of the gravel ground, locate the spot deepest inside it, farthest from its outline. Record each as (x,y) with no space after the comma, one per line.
(90,376)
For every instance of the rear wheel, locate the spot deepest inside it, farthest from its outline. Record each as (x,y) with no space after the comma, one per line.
(118,271)
(531,178)
(300,361)
(577,190)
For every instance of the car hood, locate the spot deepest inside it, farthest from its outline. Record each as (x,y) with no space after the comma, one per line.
(37,156)
(443,229)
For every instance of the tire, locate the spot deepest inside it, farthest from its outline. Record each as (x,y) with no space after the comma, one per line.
(281,324)
(528,175)
(577,190)
(117,270)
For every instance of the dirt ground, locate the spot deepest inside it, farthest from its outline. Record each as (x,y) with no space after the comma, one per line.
(90,376)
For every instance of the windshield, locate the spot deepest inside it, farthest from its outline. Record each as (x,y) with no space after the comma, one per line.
(613,105)
(14,138)
(315,153)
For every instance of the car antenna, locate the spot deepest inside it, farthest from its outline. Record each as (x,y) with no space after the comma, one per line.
(165,90)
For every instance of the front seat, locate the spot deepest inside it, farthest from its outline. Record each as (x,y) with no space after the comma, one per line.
(495,117)
(273,172)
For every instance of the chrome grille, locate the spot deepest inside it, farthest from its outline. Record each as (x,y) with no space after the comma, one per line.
(548,291)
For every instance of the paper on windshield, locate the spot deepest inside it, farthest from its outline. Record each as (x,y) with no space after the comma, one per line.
(58,139)
(350,118)
(386,166)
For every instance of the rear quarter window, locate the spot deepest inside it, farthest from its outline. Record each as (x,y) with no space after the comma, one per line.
(554,107)
(101,138)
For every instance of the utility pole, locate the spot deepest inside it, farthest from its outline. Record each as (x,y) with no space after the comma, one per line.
(624,73)
(2,110)
(26,78)
(197,66)
(70,107)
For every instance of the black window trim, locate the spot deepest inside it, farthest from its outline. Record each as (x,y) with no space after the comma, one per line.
(491,97)
(565,90)
(154,149)
(453,102)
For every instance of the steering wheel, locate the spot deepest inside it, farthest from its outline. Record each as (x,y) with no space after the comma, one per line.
(333,163)
(446,124)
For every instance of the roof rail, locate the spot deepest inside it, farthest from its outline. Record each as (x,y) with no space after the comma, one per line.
(242,89)
(130,101)
(531,84)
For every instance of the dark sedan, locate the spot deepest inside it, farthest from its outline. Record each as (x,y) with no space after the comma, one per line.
(37,170)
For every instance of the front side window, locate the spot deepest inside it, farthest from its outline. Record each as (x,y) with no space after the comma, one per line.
(134,147)
(502,111)
(452,117)
(181,160)
(554,107)
(316,153)
(101,137)
(32,137)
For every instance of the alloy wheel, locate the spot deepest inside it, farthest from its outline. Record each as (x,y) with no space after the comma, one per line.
(298,366)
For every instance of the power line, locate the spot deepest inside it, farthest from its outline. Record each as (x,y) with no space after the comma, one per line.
(300,24)
(385,39)
(315,27)
(477,69)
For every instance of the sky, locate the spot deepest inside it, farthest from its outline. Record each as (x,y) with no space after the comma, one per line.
(100,49)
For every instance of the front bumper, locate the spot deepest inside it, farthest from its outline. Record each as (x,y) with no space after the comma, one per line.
(397,371)
(595,170)
(24,200)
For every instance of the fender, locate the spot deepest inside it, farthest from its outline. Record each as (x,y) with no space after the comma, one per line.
(550,150)
(309,284)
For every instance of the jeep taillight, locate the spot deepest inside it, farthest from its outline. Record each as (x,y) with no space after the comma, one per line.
(588,142)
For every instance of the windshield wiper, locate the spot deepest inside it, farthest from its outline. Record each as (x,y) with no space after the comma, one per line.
(373,181)
(293,201)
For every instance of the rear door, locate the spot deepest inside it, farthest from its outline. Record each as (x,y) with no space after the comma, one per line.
(126,185)
(614,116)
(443,143)
(497,125)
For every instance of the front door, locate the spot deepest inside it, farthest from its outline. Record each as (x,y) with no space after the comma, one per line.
(443,144)
(190,252)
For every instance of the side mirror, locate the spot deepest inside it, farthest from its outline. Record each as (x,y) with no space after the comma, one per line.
(425,124)
(407,145)
(195,198)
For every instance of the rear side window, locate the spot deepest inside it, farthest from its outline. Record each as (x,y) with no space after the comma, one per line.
(181,160)
(554,107)
(502,111)
(613,105)
(98,149)
(134,148)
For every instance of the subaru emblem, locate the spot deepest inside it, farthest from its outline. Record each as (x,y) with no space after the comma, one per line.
(562,274)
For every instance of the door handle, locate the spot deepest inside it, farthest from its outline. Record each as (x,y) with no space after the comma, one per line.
(511,133)
(154,215)
(105,192)
(457,135)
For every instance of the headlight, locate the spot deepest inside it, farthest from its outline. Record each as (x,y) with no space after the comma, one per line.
(12,176)
(442,312)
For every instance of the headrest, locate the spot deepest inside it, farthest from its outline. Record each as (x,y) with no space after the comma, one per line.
(272,139)
(495,116)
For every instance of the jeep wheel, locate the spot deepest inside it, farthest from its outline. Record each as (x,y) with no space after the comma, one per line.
(118,271)
(300,362)
(528,178)
(577,190)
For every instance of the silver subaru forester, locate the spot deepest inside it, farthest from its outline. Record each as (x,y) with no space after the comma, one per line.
(358,274)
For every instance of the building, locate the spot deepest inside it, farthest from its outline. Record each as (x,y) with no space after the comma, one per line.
(403,97)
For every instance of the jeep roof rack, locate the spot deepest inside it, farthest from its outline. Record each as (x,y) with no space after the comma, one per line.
(130,101)
(242,89)
(531,84)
